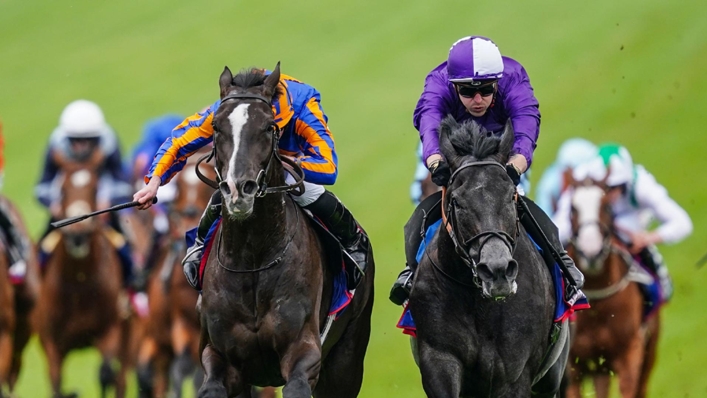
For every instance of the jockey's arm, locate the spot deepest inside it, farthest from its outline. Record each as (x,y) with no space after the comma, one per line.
(524,112)
(675,223)
(192,134)
(44,190)
(434,104)
(561,218)
(319,160)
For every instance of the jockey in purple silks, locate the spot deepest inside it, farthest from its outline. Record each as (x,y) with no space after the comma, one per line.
(477,83)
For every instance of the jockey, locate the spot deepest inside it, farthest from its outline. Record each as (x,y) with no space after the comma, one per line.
(82,130)
(572,152)
(637,199)
(305,135)
(477,83)
(16,244)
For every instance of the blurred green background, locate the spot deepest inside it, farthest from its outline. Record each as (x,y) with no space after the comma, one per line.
(631,71)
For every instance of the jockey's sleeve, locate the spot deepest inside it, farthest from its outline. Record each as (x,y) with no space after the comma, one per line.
(44,190)
(318,160)
(675,223)
(192,134)
(434,104)
(561,218)
(523,110)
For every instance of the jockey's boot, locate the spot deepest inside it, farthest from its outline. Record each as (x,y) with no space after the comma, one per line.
(402,286)
(651,258)
(340,222)
(192,260)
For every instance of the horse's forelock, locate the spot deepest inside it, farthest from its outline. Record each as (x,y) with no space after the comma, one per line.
(254,78)
(471,139)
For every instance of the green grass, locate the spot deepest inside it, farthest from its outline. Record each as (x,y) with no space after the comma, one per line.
(629,71)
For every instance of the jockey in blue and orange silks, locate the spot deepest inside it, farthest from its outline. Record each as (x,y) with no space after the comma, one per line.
(305,136)
(477,83)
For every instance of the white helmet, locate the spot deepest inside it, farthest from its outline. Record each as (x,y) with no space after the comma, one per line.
(617,159)
(574,152)
(82,119)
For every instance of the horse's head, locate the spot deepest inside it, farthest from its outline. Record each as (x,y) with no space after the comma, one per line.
(592,223)
(79,190)
(245,137)
(480,203)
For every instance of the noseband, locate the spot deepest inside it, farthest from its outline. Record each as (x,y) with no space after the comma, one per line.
(462,246)
(289,165)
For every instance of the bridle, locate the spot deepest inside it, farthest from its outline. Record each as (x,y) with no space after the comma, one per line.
(289,165)
(462,246)
(607,232)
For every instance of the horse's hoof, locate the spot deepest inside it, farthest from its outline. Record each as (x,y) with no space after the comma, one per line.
(213,390)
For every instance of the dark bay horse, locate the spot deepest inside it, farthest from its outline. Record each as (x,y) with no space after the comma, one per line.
(267,286)
(483,299)
(613,335)
(21,303)
(78,305)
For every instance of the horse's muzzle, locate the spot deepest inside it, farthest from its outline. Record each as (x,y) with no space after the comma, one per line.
(498,271)
(238,197)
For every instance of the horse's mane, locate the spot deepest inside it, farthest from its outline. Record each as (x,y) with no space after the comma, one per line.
(472,139)
(254,77)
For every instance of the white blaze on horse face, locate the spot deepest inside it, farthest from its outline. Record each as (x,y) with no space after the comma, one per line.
(81,178)
(587,202)
(77,208)
(238,119)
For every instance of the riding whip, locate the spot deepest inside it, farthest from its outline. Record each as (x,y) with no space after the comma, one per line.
(702,261)
(74,220)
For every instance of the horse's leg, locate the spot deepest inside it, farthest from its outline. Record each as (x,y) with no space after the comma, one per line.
(5,357)
(342,371)
(573,381)
(108,345)
(215,369)
(652,334)
(602,384)
(23,331)
(441,373)
(300,366)
(145,371)
(55,358)
(181,367)
(628,366)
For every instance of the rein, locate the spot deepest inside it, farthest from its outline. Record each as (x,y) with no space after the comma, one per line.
(289,165)
(633,274)
(448,219)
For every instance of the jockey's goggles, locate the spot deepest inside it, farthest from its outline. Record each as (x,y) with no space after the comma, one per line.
(469,91)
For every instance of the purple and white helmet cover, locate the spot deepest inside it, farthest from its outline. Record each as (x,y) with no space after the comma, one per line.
(474,58)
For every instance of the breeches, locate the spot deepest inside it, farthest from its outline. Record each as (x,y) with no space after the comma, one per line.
(312,192)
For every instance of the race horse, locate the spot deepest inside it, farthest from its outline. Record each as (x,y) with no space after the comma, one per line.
(170,347)
(483,298)
(268,281)
(81,285)
(614,336)
(16,301)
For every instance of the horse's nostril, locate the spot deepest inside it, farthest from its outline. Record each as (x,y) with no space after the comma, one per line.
(484,271)
(225,189)
(512,270)
(249,187)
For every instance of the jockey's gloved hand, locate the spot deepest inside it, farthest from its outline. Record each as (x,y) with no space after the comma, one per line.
(440,173)
(513,173)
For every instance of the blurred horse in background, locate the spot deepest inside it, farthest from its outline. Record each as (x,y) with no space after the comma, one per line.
(81,286)
(613,336)
(16,302)
(7,322)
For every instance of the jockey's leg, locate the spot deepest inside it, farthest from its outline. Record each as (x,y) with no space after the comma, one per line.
(550,230)
(193,258)
(339,220)
(651,258)
(426,213)
(15,249)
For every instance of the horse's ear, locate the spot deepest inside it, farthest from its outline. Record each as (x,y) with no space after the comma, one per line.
(446,127)
(507,140)
(568,179)
(225,81)
(96,159)
(272,81)
(59,160)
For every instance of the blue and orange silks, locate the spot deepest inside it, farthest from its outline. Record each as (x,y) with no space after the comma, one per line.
(298,112)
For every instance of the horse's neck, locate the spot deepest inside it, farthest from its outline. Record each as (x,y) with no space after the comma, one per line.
(260,232)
